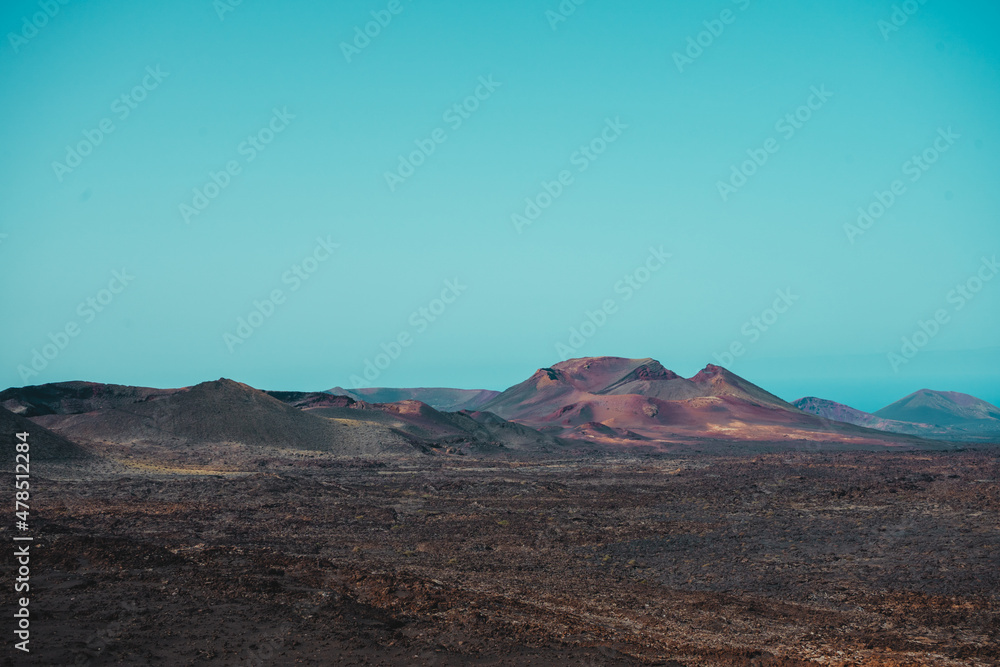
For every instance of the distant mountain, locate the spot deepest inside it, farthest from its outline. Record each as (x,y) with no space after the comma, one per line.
(451,400)
(940,408)
(44,445)
(845,413)
(959,417)
(621,401)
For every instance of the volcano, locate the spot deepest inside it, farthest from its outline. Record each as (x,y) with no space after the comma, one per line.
(220,413)
(604,398)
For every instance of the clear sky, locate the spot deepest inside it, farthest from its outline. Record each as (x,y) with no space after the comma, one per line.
(211,154)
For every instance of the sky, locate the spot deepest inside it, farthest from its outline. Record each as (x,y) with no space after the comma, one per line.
(301,195)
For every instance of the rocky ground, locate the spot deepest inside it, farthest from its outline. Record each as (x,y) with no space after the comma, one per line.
(864,558)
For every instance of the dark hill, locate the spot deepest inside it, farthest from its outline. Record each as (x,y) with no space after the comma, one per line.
(44,444)
(221,412)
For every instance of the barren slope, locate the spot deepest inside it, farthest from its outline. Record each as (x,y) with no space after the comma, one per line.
(221,412)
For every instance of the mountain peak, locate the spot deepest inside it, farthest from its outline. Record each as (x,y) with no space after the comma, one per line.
(597,363)
(550,373)
(223,385)
(226,382)
(651,369)
(710,372)
(592,374)
(724,382)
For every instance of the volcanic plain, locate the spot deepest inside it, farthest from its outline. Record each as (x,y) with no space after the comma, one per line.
(791,558)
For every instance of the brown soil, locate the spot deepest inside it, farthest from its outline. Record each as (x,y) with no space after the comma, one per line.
(848,558)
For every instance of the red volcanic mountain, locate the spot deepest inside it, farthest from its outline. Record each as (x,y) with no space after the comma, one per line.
(611,399)
(451,400)
(582,380)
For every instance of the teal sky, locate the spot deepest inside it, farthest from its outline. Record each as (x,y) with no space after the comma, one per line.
(607,69)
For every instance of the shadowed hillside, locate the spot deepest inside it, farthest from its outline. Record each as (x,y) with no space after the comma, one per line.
(222,412)
(45,445)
